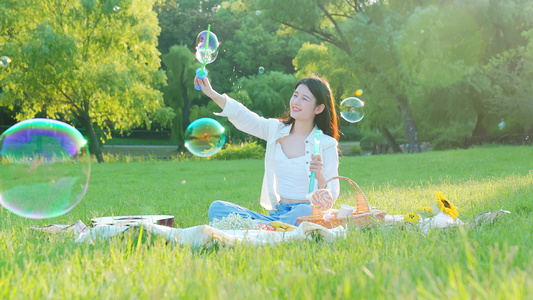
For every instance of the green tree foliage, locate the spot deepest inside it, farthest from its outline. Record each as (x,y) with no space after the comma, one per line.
(266,94)
(182,20)
(269,93)
(365,35)
(180,66)
(511,75)
(500,25)
(90,62)
(246,43)
(416,61)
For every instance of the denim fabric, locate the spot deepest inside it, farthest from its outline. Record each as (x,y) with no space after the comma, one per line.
(287,213)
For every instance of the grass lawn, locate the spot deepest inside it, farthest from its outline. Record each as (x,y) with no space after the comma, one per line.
(491,262)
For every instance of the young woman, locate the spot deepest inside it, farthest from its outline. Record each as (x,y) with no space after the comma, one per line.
(289,158)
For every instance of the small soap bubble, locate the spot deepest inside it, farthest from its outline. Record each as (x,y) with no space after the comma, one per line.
(257,12)
(5,61)
(116,8)
(206,51)
(501,125)
(359,92)
(261,70)
(204,137)
(352,109)
(44,168)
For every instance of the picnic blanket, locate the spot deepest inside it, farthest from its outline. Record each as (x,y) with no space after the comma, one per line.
(205,235)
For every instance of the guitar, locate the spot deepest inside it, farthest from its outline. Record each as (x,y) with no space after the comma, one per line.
(133,220)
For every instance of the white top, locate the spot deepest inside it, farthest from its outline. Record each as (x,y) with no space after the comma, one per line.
(271,130)
(291,175)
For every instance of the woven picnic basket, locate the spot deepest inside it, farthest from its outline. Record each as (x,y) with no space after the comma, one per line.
(363,214)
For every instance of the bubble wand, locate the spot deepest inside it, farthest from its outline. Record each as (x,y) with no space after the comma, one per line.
(315,152)
(202,72)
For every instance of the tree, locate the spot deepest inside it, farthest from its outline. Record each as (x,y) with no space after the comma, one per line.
(510,75)
(329,61)
(182,21)
(407,50)
(90,62)
(365,33)
(502,24)
(181,66)
(269,93)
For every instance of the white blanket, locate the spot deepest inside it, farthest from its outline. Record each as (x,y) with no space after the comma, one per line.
(205,235)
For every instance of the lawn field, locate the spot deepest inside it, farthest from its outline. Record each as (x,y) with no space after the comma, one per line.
(494,261)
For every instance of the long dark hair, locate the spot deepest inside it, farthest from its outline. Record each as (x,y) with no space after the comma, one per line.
(327,120)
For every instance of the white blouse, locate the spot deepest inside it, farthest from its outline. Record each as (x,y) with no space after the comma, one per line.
(271,130)
(291,174)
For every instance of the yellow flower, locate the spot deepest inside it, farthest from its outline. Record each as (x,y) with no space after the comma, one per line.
(411,218)
(445,206)
(425,211)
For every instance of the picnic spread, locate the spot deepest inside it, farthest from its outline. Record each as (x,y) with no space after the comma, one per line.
(330,224)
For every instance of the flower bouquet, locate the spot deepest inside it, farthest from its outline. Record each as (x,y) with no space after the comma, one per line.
(439,215)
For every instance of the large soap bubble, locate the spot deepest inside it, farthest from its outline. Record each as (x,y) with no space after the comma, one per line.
(44,168)
(352,109)
(204,137)
(206,50)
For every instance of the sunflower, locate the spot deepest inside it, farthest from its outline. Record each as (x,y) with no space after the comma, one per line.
(445,206)
(411,218)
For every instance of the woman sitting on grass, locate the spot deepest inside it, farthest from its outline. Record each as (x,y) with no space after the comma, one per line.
(289,158)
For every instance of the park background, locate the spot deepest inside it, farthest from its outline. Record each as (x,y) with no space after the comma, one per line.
(431,71)
(444,74)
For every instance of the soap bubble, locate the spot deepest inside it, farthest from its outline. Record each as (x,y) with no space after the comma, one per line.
(116,8)
(501,125)
(206,54)
(44,168)
(352,109)
(261,70)
(204,137)
(5,61)
(257,12)
(358,92)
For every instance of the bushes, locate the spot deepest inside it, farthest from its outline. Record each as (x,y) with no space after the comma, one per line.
(242,151)
(370,139)
(356,149)
(350,133)
(452,138)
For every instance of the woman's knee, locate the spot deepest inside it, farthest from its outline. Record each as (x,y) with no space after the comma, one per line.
(216,209)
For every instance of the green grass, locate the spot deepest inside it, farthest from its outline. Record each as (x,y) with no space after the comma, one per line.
(491,262)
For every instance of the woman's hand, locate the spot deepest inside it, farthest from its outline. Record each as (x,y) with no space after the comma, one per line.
(205,85)
(316,165)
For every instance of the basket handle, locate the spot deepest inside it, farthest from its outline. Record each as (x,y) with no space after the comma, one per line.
(361,201)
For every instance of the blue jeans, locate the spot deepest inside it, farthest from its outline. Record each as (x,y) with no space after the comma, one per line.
(286,213)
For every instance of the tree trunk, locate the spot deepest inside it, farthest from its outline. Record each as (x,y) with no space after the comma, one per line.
(94,145)
(390,140)
(480,129)
(409,125)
